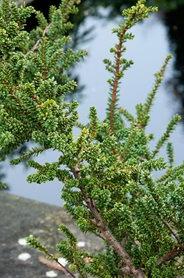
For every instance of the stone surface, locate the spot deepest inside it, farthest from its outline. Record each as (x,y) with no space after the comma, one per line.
(20,217)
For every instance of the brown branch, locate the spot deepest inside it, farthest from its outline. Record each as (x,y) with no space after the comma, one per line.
(118,54)
(176,251)
(56,265)
(156,198)
(36,45)
(128,267)
(174,234)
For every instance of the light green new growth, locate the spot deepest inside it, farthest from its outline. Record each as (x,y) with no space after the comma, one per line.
(170,153)
(108,171)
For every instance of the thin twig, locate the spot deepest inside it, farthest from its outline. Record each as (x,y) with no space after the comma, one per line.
(176,251)
(36,45)
(174,234)
(156,198)
(128,268)
(118,56)
(56,265)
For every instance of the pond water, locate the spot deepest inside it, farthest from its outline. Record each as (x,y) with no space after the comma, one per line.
(148,50)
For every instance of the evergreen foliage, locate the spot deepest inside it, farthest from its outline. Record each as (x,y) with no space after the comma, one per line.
(108,170)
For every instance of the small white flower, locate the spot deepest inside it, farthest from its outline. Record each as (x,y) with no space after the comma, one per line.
(24,256)
(81,244)
(51,274)
(22,241)
(62,261)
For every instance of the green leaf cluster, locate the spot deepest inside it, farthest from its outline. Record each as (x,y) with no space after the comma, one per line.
(108,169)
(34,75)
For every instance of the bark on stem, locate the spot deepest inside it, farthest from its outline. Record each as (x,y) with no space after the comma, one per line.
(57,266)
(118,54)
(66,270)
(171,255)
(36,45)
(127,265)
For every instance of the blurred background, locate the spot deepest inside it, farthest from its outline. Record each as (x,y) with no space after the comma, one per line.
(161,34)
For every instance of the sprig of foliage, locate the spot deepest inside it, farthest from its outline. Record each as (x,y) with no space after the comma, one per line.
(120,65)
(35,243)
(108,170)
(170,153)
(34,74)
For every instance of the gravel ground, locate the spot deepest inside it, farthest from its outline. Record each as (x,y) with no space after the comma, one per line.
(20,217)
